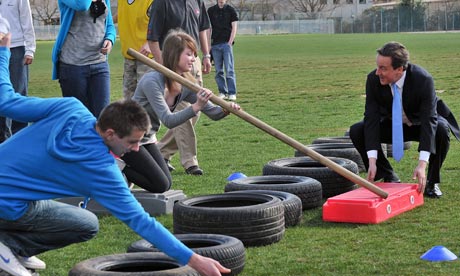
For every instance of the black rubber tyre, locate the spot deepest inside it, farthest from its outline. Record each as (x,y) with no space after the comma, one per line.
(306,188)
(228,251)
(292,205)
(341,150)
(132,264)
(337,139)
(332,183)
(255,219)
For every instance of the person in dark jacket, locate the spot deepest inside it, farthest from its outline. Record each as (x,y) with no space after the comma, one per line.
(425,119)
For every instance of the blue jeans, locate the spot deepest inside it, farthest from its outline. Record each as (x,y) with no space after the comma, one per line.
(88,83)
(19,77)
(48,225)
(222,55)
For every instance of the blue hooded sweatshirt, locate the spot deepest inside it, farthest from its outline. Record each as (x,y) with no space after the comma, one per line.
(60,154)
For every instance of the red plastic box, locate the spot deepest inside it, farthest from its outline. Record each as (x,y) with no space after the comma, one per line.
(363,206)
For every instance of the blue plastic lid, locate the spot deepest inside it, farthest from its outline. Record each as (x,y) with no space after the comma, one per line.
(235,176)
(438,254)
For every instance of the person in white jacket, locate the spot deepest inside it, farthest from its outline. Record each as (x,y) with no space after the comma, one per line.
(19,16)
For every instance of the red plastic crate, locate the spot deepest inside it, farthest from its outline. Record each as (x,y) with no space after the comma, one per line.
(363,206)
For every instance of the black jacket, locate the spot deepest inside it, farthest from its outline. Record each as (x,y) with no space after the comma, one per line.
(420,103)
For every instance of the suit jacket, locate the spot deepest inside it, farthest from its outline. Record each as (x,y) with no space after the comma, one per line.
(420,104)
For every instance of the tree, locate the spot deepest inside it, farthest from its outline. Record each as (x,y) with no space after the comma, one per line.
(265,8)
(242,8)
(310,7)
(46,11)
(411,14)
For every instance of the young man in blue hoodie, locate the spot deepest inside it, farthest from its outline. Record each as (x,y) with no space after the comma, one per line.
(65,152)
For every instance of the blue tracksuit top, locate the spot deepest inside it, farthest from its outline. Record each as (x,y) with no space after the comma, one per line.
(60,154)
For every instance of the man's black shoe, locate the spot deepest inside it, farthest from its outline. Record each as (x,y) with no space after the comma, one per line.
(170,167)
(393,178)
(433,191)
(194,170)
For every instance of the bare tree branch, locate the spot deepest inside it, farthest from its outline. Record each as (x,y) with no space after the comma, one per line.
(45,11)
(309,7)
(242,7)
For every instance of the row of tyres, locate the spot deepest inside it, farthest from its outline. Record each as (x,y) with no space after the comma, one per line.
(253,211)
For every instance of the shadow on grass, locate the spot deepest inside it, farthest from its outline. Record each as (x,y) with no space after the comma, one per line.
(314,219)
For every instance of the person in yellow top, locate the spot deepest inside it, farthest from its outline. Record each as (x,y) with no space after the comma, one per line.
(133,19)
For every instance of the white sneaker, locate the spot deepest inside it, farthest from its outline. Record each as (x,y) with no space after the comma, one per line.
(10,264)
(232,97)
(32,262)
(130,186)
(222,96)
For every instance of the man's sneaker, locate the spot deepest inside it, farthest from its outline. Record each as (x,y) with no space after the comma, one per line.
(232,97)
(222,96)
(10,264)
(32,262)
(130,185)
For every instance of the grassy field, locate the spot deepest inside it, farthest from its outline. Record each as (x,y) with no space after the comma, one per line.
(306,86)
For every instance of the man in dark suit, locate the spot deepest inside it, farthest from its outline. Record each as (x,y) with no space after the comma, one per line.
(425,119)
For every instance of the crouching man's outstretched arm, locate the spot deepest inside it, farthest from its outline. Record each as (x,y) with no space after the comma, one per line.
(207,266)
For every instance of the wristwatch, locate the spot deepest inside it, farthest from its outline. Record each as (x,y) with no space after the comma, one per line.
(207,56)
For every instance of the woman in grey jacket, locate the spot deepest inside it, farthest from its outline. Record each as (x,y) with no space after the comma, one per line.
(160,95)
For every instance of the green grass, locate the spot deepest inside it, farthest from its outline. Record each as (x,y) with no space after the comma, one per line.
(306,86)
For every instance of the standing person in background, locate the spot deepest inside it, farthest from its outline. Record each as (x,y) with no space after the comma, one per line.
(224,23)
(80,53)
(133,20)
(19,16)
(190,16)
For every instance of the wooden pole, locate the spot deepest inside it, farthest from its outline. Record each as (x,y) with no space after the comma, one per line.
(263,126)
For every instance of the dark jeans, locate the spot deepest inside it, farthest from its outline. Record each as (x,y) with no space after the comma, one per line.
(48,225)
(225,72)
(88,83)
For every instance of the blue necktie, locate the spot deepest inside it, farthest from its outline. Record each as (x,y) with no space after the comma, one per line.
(398,140)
